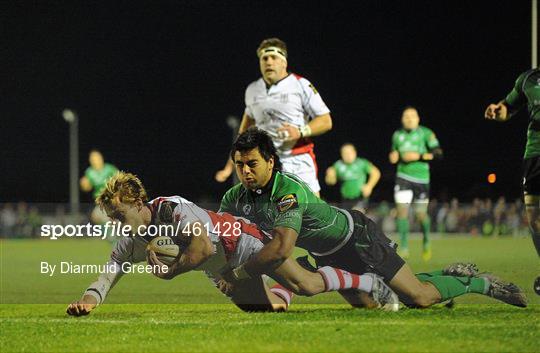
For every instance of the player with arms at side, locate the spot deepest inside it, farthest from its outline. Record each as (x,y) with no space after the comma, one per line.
(526,92)
(289,108)
(357,176)
(413,147)
(94,180)
(212,242)
(285,207)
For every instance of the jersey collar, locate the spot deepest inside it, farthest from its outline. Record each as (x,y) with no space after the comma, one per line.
(268,86)
(265,189)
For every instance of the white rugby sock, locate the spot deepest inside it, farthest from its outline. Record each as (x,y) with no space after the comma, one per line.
(283,293)
(337,279)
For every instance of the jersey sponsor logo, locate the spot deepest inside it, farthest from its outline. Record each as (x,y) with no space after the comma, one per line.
(284,98)
(287,202)
(246,209)
(313,88)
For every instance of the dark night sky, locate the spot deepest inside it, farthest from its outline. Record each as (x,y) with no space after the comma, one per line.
(153,83)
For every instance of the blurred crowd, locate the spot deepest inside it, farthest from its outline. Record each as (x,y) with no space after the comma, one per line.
(481,217)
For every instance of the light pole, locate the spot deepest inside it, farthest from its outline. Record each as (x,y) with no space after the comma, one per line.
(534,34)
(71,118)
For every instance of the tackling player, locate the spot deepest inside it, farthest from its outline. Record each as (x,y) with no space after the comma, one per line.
(285,207)
(526,92)
(212,242)
(94,179)
(357,176)
(413,147)
(289,108)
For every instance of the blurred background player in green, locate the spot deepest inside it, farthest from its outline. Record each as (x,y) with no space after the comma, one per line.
(94,180)
(526,92)
(357,177)
(413,147)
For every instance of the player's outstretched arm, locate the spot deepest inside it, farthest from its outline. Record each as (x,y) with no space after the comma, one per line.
(83,306)
(272,255)
(199,250)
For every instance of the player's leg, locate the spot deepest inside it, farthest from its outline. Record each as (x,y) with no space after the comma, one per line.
(532,207)
(420,204)
(327,278)
(403,196)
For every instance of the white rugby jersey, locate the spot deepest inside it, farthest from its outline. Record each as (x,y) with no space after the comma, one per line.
(228,248)
(293,100)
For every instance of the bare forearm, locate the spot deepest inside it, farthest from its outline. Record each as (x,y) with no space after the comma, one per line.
(320,124)
(374,177)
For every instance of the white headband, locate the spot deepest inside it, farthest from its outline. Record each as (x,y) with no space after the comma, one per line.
(273,51)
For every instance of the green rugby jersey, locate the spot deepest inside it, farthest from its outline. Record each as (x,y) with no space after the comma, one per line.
(98,178)
(421,140)
(526,92)
(288,202)
(352,177)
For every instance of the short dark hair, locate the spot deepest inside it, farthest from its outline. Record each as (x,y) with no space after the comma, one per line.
(407,107)
(252,138)
(273,42)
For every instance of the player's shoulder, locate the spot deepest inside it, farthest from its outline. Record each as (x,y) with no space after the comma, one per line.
(255,85)
(524,76)
(426,130)
(164,207)
(302,82)
(287,184)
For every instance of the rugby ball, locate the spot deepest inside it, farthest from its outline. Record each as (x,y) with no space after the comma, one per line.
(165,249)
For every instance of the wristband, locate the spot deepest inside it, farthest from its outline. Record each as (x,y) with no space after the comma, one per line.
(305,131)
(239,273)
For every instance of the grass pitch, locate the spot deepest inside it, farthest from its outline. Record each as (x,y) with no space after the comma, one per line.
(145,314)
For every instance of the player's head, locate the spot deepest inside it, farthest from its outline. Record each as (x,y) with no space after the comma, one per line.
(95,158)
(410,118)
(272,53)
(348,153)
(255,158)
(123,198)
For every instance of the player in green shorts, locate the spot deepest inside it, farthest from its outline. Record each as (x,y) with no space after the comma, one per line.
(357,176)
(413,147)
(288,210)
(526,92)
(94,179)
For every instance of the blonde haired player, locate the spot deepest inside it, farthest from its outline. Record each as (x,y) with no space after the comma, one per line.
(212,242)
(289,108)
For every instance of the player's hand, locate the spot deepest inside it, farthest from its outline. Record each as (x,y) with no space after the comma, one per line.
(366,191)
(225,287)
(159,269)
(223,174)
(427,157)
(498,112)
(82,307)
(393,157)
(289,132)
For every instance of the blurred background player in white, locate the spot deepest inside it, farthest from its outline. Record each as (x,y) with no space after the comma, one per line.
(413,147)
(289,109)
(357,177)
(94,180)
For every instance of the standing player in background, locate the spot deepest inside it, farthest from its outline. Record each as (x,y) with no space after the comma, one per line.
(94,179)
(413,147)
(526,92)
(289,109)
(357,176)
